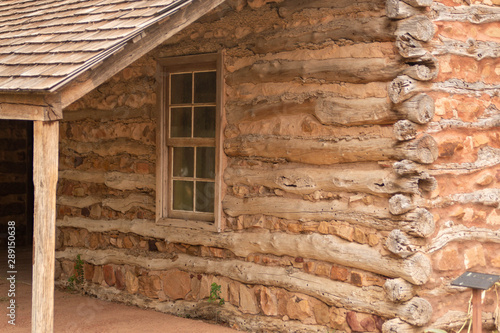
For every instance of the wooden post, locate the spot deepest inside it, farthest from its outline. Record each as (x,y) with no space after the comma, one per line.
(45,161)
(477,325)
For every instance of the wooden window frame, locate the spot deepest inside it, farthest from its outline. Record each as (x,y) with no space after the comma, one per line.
(166,66)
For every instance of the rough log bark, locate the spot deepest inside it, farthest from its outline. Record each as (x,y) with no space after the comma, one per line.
(400,204)
(399,290)
(286,9)
(367,299)
(239,113)
(372,29)
(405,130)
(470,48)
(321,152)
(419,222)
(397,9)
(353,70)
(419,109)
(419,27)
(460,233)
(205,310)
(415,269)
(370,111)
(123,205)
(399,244)
(303,180)
(117,180)
(477,14)
(110,147)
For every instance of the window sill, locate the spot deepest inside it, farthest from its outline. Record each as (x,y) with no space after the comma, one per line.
(188,224)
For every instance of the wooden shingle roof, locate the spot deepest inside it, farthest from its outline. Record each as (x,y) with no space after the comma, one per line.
(44,43)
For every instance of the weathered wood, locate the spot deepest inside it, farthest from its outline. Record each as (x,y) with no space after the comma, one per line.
(110,147)
(461,233)
(396,325)
(477,14)
(423,72)
(354,70)
(415,269)
(458,86)
(367,299)
(409,47)
(486,157)
(370,29)
(400,204)
(322,152)
(419,109)
(119,204)
(405,130)
(419,27)
(117,180)
(419,3)
(399,244)
(287,8)
(45,162)
(398,9)
(43,107)
(419,222)
(303,180)
(470,48)
(404,87)
(239,113)
(135,49)
(399,290)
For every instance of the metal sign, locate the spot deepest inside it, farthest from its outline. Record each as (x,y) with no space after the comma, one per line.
(476,280)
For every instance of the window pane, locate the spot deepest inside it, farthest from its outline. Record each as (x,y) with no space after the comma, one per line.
(205,87)
(183,195)
(204,122)
(183,162)
(205,162)
(205,196)
(181,88)
(180,122)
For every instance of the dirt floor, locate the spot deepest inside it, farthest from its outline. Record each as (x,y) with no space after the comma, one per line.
(75,313)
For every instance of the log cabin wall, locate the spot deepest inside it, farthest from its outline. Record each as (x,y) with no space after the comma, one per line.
(359,179)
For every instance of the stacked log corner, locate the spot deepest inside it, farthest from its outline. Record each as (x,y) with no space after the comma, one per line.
(334,190)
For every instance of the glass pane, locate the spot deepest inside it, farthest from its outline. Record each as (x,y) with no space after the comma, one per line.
(180,122)
(205,86)
(205,162)
(181,88)
(183,162)
(205,194)
(204,122)
(183,195)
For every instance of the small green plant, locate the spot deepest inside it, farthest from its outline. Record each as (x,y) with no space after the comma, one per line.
(215,294)
(77,278)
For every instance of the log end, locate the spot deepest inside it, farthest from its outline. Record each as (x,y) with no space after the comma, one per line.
(423,225)
(418,268)
(401,88)
(396,325)
(424,109)
(405,130)
(427,183)
(399,244)
(399,290)
(417,311)
(423,150)
(400,204)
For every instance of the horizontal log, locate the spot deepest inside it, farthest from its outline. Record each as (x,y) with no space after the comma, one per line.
(303,180)
(404,87)
(486,157)
(424,69)
(419,3)
(477,14)
(109,147)
(461,233)
(419,109)
(419,222)
(456,86)
(399,290)
(419,27)
(482,124)
(415,269)
(470,48)
(353,70)
(398,9)
(123,205)
(204,310)
(369,29)
(287,8)
(367,299)
(117,180)
(409,47)
(264,110)
(405,130)
(323,152)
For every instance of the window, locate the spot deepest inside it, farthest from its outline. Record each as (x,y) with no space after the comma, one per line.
(189,149)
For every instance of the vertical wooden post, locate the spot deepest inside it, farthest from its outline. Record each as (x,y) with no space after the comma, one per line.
(45,162)
(477,325)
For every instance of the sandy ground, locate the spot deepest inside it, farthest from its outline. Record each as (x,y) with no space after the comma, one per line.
(75,313)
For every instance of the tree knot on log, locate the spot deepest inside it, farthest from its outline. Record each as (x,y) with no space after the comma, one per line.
(423,150)
(400,204)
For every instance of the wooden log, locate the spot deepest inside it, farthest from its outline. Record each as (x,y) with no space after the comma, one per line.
(397,325)
(419,109)
(370,29)
(399,244)
(322,152)
(116,180)
(423,72)
(458,86)
(353,70)
(461,233)
(398,9)
(415,269)
(264,110)
(119,204)
(409,47)
(419,3)
(110,147)
(286,9)
(470,48)
(400,204)
(399,290)
(426,182)
(367,299)
(45,162)
(402,88)
(477,14)
(303,180)
(405,130)
(419,27)
(419,222)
